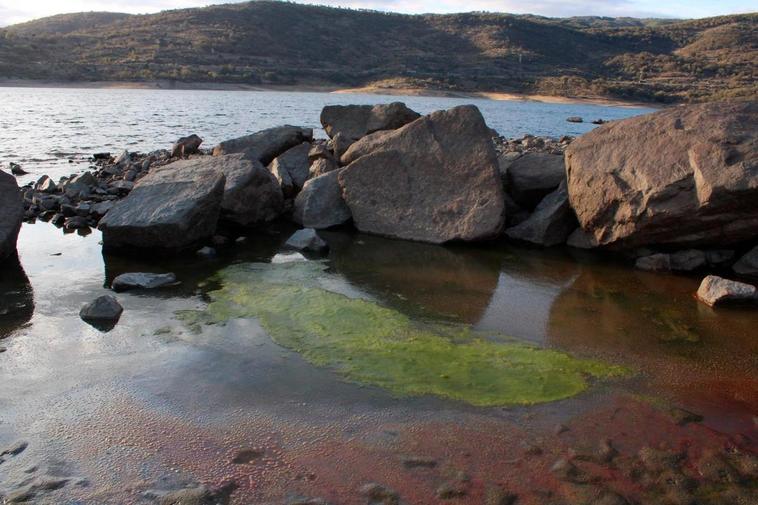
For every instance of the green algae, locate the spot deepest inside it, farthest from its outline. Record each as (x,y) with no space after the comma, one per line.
(368,343)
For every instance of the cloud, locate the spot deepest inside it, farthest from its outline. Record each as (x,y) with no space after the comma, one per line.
(15,11)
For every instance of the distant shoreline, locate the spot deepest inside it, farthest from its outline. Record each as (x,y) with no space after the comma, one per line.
(371,90)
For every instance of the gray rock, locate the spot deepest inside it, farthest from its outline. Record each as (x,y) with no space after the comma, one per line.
(11,214)
(206,252)
(574,119)
(76,223)
(718,257)
(141,280)
(45,185)
(364,146)
(356,121)
(658,262)
(267,144)
(550,224)
(340,143)
(103,313)
(320,205)
(307,240)
(687,260)
(747,264)
(252,195)
(433,180)
(716,290)
(169,210)
(292,169)
(531,177)
(322,166)
(186,146)
(684,176)
(192,496)
(102,208)
(376,494)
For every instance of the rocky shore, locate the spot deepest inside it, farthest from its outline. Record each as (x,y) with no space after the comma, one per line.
(671,191)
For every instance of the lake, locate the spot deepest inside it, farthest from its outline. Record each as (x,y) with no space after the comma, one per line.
(54,131)
(386,372)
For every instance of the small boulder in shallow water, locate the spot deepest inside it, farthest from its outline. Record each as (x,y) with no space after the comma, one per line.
(141,280)
(307,240)
(715,290)
(103,313)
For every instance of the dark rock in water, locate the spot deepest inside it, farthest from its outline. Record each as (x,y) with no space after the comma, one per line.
(193,496)
(16,295)
(574,119)
(680,261)
(291,169)
(169,210)
(748,264)
(356,121)
(15,449)
(267,144)
(307,240)
(11,214)
(206,252)
(531,177)
(103,313)
(686,175)
(320,205)
(142,280)
(45,185)
(433,180)
(101,156)
(76,223)
(17,170)
(376,494)
(658,262)
(186,146)
(550,224)
(252,195)
(599,121)
(716,290)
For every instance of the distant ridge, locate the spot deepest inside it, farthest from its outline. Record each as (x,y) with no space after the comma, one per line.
(266,42)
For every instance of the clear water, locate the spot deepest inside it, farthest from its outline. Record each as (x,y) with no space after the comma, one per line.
(54,131)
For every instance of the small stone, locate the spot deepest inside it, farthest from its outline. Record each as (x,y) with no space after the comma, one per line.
(206,252)
(103,313)
(379,495)
(247,456)
(574,119)
(307,240)
(15,449)
(142,280)
(683,417)
(450,490)
(418,462)
(716,290)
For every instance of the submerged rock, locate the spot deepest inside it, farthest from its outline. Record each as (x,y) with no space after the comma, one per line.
(266,145)
(356,121)
(169,210)
(141,280)
(320,204)
(685,175)
(716,290)
(307,240)
(11,214)
(103,313)
(433,180)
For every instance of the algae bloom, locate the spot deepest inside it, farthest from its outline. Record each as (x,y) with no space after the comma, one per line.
(371,344)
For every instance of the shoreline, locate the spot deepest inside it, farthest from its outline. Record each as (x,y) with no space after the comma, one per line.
(307,88)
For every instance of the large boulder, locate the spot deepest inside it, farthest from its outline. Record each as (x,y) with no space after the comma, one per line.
(252,195)
(11,214)
(266,145)
(364,146)
(169,210)
(686,175)
(433,180)
(531,177)
(550,224)
(356,121)
(291,169)
(320,205)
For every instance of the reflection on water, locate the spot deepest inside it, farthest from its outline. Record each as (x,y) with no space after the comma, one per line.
(16,296)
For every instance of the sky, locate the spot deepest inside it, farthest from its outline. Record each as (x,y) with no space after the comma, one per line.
(16,11)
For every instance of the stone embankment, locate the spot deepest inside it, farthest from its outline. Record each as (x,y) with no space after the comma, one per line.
(676,190)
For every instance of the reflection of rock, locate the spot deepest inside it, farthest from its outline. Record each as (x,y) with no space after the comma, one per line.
(454,282)
(16,297)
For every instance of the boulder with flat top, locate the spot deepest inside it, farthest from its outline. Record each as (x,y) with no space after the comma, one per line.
(356,121)
(266,145)
(171,209)
(433,180)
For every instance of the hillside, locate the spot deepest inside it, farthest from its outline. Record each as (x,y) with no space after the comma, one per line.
(268,42)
